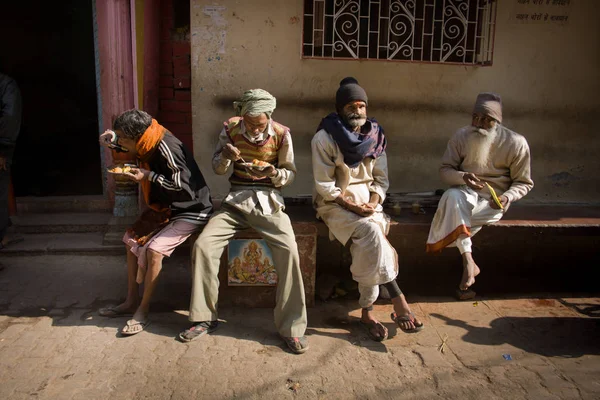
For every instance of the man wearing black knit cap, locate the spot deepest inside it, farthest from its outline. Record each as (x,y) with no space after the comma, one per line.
(351,180)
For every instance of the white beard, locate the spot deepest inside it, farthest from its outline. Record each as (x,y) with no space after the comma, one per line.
(479,147)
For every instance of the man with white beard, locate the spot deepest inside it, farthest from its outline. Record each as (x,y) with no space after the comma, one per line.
(351,179)
(484,153)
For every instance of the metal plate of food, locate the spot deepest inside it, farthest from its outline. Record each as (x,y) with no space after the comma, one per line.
(120,169)
(257,166)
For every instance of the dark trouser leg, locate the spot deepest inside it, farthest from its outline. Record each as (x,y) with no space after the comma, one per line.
(4,187)
(393,289)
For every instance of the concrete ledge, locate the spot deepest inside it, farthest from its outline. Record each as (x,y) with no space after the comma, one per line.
(534,247)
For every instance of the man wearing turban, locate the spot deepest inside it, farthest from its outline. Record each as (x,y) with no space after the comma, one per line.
(351,180)
(254,201)
(481,154)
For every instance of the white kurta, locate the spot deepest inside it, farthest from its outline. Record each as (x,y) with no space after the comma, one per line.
(374,260)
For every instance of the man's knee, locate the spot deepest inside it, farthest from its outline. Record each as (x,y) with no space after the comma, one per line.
(288,242)
(454,195)
(368,230)
(201,243)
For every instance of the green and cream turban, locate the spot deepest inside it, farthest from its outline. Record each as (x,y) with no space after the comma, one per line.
(255,101)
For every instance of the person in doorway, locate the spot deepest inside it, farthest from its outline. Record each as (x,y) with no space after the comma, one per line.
(351,179)
(481,154)
(179,205)
(10,124)
(254,201)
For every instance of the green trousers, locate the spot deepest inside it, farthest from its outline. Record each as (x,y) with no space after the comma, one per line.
(276,229)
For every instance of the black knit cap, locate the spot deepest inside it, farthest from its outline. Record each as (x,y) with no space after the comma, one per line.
(349,91)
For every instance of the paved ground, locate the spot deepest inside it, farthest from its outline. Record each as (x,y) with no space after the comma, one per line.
(54,346)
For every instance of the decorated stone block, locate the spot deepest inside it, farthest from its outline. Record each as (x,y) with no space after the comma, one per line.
(248,285)
(250,263)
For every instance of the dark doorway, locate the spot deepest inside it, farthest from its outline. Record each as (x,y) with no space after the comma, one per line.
(48,48)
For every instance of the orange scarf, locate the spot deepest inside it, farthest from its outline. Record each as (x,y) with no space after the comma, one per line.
(146,146)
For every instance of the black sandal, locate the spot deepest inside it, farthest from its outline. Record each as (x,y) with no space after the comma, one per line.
(407,318)
(298,345)
(467,294)
(369,326)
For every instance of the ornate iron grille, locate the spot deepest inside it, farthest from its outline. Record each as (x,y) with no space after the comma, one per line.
(437,31)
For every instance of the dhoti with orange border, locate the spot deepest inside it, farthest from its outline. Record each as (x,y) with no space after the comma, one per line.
(461,213)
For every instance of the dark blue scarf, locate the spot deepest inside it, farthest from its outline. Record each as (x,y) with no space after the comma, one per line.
(370,142)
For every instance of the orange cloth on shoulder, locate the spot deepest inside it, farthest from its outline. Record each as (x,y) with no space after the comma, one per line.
(146,146)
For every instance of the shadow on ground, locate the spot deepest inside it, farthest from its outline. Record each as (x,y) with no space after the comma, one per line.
(70,290)
(546,336)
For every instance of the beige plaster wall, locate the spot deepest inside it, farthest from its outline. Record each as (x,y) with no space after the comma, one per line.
(547,75)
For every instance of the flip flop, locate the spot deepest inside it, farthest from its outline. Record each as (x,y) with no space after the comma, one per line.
(468,294)
(197,330)
(113,311)
(298,345)
(131,323)
(369,326)
(407,318)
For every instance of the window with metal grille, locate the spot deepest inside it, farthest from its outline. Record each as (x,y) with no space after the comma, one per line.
(436,31)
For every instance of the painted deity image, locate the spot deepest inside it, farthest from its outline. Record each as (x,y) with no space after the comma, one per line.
(250,263)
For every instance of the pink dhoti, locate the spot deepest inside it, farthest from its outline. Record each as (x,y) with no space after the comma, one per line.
(164,243)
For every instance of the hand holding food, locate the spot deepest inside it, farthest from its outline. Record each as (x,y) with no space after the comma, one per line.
(106,138)
(497,202)
(137,174)
(131,172)
(472,181)
(261,169)
(230,152)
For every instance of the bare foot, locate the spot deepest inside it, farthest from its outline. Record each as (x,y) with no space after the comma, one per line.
(134,326)
(123,309)
(140,315)
(137,323)
(470,271)
(406,320)
(377,331)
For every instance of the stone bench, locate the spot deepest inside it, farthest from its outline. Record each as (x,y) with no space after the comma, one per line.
(533,248)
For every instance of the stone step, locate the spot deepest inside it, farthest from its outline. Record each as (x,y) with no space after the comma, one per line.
(74,222)
(87,233)
(58,204)
(86,243)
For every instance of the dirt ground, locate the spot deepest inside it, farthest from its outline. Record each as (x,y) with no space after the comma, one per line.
(53,345)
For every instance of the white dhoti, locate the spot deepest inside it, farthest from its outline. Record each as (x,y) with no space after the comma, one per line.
(374,260)
(461,213)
